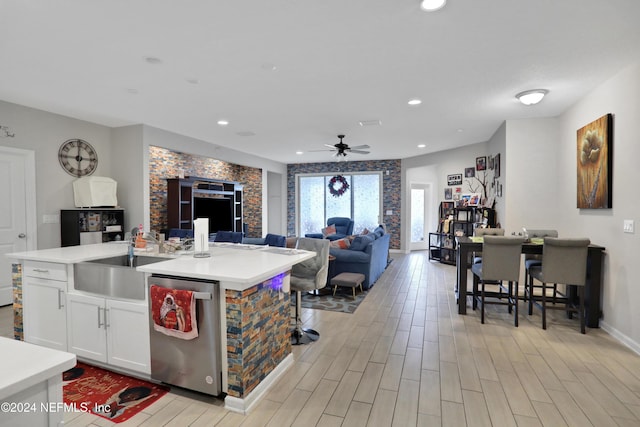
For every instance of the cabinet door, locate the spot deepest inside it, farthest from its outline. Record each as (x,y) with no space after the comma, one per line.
(128,335)
(86,327)
(44,312)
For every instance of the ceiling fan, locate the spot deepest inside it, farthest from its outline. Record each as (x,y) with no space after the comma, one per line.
(341,149)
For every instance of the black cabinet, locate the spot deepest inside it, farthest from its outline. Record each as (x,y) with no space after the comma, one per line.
(192,197)
(86,226)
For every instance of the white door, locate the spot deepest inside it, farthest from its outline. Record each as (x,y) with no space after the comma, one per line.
(15,186)
(419,213)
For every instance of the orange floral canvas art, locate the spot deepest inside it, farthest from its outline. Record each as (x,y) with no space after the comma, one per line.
(594,150)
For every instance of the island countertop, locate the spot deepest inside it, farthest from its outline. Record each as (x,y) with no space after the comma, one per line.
(238,266)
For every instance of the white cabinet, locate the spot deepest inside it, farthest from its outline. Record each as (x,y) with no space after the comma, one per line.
(44,287)
(109,331)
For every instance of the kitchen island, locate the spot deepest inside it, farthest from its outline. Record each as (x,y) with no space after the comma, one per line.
(254,298)
(31,384)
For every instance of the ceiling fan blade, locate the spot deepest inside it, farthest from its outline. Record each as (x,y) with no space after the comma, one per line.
(322,150)
(330,146)
(358,147)
(359,151)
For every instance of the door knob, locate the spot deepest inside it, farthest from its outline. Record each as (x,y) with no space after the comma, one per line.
(22,235)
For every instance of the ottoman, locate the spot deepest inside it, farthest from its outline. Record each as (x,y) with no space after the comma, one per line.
(348,280)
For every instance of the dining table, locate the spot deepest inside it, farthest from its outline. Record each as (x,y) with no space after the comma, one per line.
(465,246)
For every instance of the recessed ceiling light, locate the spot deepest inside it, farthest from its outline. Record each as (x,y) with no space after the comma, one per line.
(432,5)
(268,66)
(460,130)
(246,133)
(422,145)
(415,102)
(153,60)
(223,122)
(532,97)
(299,153)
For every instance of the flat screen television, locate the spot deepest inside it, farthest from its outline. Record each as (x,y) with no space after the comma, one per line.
(218,210)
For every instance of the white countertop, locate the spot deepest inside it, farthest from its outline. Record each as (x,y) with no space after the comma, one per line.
(72,254)
(238,266)
(24,365)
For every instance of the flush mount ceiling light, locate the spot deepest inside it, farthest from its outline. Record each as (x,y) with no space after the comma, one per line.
(223,122)
(532,97)
(422,145)
(432,5)
(415,102)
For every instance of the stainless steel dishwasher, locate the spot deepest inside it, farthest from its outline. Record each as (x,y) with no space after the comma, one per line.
(193,364)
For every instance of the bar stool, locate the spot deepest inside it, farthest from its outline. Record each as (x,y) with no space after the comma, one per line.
(532,260)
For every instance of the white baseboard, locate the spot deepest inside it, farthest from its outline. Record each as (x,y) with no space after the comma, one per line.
(620,337)
(244,405)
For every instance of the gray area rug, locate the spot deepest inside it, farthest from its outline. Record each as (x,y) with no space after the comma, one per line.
(343,301)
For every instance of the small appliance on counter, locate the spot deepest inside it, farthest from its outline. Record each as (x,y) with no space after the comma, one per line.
(94,191)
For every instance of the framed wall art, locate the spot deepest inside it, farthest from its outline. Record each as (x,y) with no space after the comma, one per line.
(469,172)
(496,165)
(481,163)
(454,179)
(594,159)
(448,193)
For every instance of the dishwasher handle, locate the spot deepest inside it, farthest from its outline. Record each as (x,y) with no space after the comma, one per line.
(202,295)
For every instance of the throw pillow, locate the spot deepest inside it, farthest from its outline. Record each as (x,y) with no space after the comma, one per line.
(328,230)
(379,231)
(360,243)
(365,231)
(340,243)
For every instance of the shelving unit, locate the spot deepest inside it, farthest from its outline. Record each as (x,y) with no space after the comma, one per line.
(86,226)
(453,222)
(183,192)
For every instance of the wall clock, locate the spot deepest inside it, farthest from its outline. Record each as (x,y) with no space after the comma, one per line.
(77,157)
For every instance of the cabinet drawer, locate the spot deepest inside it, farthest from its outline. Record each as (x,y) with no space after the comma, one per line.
(46,270)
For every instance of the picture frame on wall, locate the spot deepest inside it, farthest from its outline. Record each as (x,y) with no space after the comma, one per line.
(490,161)
(481,163)
(496,165)
(454,179)
(448,193)
(594,170)
(469,172)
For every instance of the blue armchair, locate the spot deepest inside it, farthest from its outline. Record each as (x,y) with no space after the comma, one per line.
(344,228)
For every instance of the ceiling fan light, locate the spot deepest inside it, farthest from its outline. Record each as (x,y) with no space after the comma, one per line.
(531,97)
(432,5)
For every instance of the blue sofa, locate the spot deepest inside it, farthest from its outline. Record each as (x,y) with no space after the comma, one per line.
(269,239)
(344,228)
(366,255)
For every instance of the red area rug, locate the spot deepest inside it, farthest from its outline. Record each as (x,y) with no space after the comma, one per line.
(109,395)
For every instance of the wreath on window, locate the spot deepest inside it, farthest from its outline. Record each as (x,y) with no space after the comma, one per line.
(338,185)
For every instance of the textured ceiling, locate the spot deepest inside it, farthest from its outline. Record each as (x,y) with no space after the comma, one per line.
(295,73)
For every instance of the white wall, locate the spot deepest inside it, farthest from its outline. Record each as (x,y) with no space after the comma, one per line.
(530,162)
(621,97)
(44,133)
(432,169)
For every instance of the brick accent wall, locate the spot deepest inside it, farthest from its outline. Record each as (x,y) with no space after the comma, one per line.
(16,280)
(164,163)
(391,190)
(258,335)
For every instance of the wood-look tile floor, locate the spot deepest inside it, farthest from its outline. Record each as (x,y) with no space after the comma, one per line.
(406,358)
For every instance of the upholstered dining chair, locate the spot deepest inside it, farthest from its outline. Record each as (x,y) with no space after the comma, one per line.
(228,236)
(531,260)
(500,263)
(307,276)
(481,232)
(564,261)
(275,240)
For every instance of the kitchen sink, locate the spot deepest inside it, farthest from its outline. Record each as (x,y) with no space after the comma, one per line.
(113,276)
